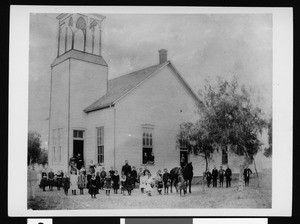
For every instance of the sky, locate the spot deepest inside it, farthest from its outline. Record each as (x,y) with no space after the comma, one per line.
(200,46)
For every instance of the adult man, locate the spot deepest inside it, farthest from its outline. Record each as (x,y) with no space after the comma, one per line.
(182,161)
(215,174)
(247,173)
(134,175)
(208,177)
(221,176)
(51,179)
(126,168)
(228,174)
(78,161)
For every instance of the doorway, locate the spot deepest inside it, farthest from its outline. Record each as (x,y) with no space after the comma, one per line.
(78,148)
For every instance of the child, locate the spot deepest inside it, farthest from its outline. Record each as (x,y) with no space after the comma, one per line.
(208,177)
(167,181)
(107,184)
(44,181)
(59,180)
(129,183)
(123,183)
(102,177)
(181,183)
(88,179)
(81,182)
(159,181)
(98,182)
(66,183)
(140,173)
(116,179)
(93,187)
(149,183)
(142,182)
(111,172)
(51,180)
(73,182)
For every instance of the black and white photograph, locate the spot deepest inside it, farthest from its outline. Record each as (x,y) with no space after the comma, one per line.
(149,111)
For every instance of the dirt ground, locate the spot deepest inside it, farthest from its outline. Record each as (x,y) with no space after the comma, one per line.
(250,197)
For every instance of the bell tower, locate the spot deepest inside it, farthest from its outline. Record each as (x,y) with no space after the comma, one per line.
(78,78)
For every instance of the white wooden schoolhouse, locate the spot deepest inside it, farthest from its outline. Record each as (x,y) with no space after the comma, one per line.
(133,117)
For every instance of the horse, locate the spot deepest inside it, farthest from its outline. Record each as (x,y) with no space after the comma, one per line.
(187,173)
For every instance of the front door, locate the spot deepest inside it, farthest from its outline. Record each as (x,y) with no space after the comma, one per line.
(78,148)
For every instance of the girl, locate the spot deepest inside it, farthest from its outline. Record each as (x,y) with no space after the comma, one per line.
(73,182)
(142,182)
(44,181)
(129,183)
(107,184)
(81,182)
(181,183)
(116,179)
(102,177)
(149,183)
(93,187)
(66,183)
(159,181)
(123,183)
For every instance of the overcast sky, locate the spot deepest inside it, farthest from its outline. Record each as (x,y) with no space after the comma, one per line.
(201,46)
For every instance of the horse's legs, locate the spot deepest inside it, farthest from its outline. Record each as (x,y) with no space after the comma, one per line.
(175,185)
(190,186)
(171,186)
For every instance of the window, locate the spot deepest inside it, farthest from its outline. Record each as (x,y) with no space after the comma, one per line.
(224,156)
(100,144)
(183,151)
(57,145)
(148,154)
(77,134)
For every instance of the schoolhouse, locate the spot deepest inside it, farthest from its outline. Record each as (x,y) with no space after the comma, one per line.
(133,117)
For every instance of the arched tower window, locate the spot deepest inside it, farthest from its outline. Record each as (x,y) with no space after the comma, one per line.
(80,35)
(97,40)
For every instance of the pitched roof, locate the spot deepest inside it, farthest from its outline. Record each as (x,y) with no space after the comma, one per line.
(119,86)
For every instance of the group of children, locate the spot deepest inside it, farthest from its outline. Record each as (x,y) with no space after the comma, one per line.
(95,180)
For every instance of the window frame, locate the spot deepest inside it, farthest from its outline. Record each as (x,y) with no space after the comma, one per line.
(100,144)
(148,143)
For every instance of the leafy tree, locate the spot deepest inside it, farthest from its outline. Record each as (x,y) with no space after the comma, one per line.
(228,119)
(268,151)
(35,153)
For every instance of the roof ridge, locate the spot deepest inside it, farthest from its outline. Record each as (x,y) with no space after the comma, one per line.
(138,70)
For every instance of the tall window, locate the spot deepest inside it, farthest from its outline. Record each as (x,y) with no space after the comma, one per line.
(148,154)
(224,156)
(100,144)
(183,151)
(57,144)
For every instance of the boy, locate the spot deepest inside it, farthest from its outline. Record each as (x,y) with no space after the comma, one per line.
(167,181)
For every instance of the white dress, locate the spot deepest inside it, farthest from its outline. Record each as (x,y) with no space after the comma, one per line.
(148,183)
(73,182)
(142,182)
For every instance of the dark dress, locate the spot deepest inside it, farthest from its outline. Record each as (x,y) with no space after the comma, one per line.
(134,175)
(208,178)
(51,181)
(44,181)
(66,183)
(88,179)
(215,174)
(129,183)
(93,187)
(228,174)
(116,179)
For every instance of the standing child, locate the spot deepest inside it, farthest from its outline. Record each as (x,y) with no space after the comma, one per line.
(102,177)
(159,181)
(73,182)
(139,174)
(134,175)
(66,183)
(59,180)
(123,183)
(93,186)
(98,181)
(181,183)
(88,179)
(51,180)
(221,176)
(166,181)
(107,184)
(142,182)
(129,183)
(149,183)
(208,177)
(81,182)
(116,179)
(44,181)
